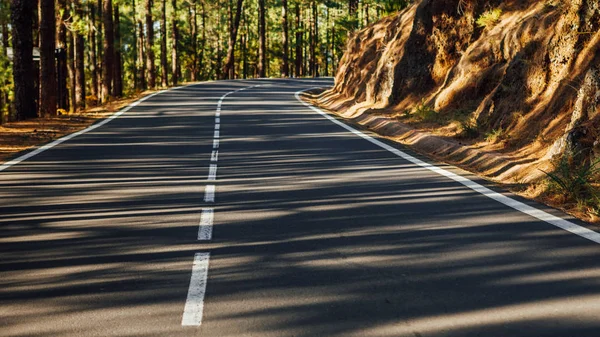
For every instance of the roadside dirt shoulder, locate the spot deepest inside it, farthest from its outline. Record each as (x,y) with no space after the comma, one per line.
(16,137)
(522,176)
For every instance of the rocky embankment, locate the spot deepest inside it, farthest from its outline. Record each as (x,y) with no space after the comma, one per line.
(515,80)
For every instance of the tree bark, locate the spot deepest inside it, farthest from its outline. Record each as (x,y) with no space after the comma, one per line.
(262,40)
(99,47)
(71,70)
(118,66)
(48,82)
(134,46)
(150,67)
(164,66)
(298,41)
(61,42)
(194,42)
(285,37)
(229,70)
(201,57)
(245,47)
(141,59)
(22,14)
(175,71)
(79,62)
(109,51)
(315,40)
(93,55)
(4,93)
(312,39)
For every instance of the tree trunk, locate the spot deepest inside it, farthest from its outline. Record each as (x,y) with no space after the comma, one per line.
(262,37)
(352,12)
(194,38)
(134,46)
(71,70)
(4,93)
(315,40)
(312,39)
(150,67)
(118,66)
(99,48)
(285,37)
(217,62)
(163,45)
(22,14)
(175,71)
(61,43)
(326,56)
(352,7)
(141,60)
(201,57)
(298,41)
(229,70)
(93,55)
(48,82)
(109,50)
(245,47)
(79,62)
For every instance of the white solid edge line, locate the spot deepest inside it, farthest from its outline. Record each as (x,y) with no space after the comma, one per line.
(75,134)
(215,143)
(209,193)
(517,205)
(194,304)
(206,223)
(214,156)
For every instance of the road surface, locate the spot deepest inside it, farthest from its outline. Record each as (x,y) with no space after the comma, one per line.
(215,211)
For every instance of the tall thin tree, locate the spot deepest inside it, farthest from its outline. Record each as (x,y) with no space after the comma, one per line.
(92,48)
(118,65)
(194,40)
(262,39)
(109,50)
(298,67)
(150,67)
(175,71)
(134,47)
(229,70)
(79,59)
(48,82)
(61,43)
(22,14)
(285,38)
(141,58)
(164,67)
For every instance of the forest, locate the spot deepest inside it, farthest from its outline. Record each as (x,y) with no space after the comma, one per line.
(72,54)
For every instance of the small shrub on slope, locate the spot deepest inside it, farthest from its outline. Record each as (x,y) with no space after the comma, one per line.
(489,18)
(574,181)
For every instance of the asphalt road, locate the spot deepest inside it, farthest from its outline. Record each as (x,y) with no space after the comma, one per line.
(315,232)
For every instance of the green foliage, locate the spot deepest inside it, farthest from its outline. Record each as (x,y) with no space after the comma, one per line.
(496,135)
(469,128)
(426,113)
(489,18)
(574,180)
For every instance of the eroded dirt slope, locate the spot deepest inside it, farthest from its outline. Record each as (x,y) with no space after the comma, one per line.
(527,83)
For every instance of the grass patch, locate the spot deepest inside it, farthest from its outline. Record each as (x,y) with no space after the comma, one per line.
(496,135)
(426,113)
(574,181)
(489,18)
(469,129)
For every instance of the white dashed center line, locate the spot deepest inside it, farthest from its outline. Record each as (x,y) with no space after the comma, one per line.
(194,305)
